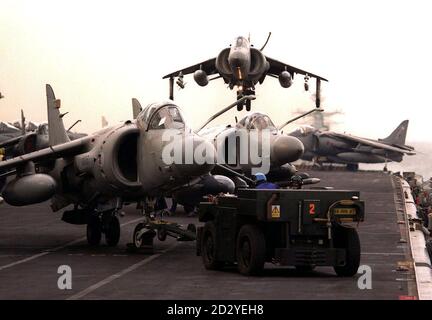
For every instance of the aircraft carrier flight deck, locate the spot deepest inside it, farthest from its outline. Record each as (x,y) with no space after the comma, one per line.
(34,243)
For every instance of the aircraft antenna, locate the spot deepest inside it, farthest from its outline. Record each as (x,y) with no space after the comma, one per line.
(75,123)
(298,117)
(232,105)
(268,38)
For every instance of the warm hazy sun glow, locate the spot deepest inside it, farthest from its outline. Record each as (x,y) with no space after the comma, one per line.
(97,55)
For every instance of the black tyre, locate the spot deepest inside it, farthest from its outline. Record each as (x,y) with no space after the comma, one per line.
(138,241)
(248,105)
(352,166)
(305,269)
(251,250)
(239,107)
(209,247)
(347,238)
(191,228)
(94,231)
(161,234)
(188,208)
(112,232)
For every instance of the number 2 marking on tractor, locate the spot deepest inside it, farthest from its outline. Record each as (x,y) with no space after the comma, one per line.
(311,208)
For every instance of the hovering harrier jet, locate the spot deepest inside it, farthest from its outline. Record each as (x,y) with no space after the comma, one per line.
(242,67)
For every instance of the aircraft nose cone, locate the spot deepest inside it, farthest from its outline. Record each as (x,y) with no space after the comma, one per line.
(199,157)
(286,149)
(237,59)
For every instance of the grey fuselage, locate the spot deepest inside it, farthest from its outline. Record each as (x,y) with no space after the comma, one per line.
(17,144)
(241,65)
(118,164)
(227,141)
(326,148)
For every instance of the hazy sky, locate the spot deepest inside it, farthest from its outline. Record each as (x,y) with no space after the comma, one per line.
(97,55)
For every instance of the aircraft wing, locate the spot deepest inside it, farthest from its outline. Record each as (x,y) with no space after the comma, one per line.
(276,67)
(10,142)
(8,128)
(67,149)
(371,143)
(209,66)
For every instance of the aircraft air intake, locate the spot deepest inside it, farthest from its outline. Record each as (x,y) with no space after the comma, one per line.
(113,159)
(258,64)
(222,64)
(26,144)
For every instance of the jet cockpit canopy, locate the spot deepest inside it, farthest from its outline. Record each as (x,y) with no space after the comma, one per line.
(43,129)
(303,131)
(257,121)
(165,115)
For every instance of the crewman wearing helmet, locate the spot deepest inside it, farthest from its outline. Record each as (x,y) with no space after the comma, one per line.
(261,182)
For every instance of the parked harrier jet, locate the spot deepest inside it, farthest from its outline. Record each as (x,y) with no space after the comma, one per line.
(8,131)
(21,138)
(99,173)
(230,142)
(282,148)
(234,168)
(12,130)
(328,146)
(242,67)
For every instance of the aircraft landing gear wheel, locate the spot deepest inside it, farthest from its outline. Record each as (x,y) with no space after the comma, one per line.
(137,239)
(161,234)
(239,107)
(248,105)
(352,166)
(348,239)
(94,231)
(112,232)
(191,228)
(251,250)
(208,247)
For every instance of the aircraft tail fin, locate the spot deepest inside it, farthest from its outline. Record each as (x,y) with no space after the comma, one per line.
(57,132)
(398,136)
(136,108)
(104,122)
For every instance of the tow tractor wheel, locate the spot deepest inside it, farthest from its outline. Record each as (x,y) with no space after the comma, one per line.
(191,228)
(251,250)
(112,231)
(137,239)
(347,238)
(305,268)
(94,230)
(209,247)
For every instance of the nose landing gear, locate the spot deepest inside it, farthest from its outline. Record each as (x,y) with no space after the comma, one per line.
(146,231)
(247,103)
(106,223)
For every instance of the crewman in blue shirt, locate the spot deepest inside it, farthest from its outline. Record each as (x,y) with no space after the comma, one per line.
(261,182)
